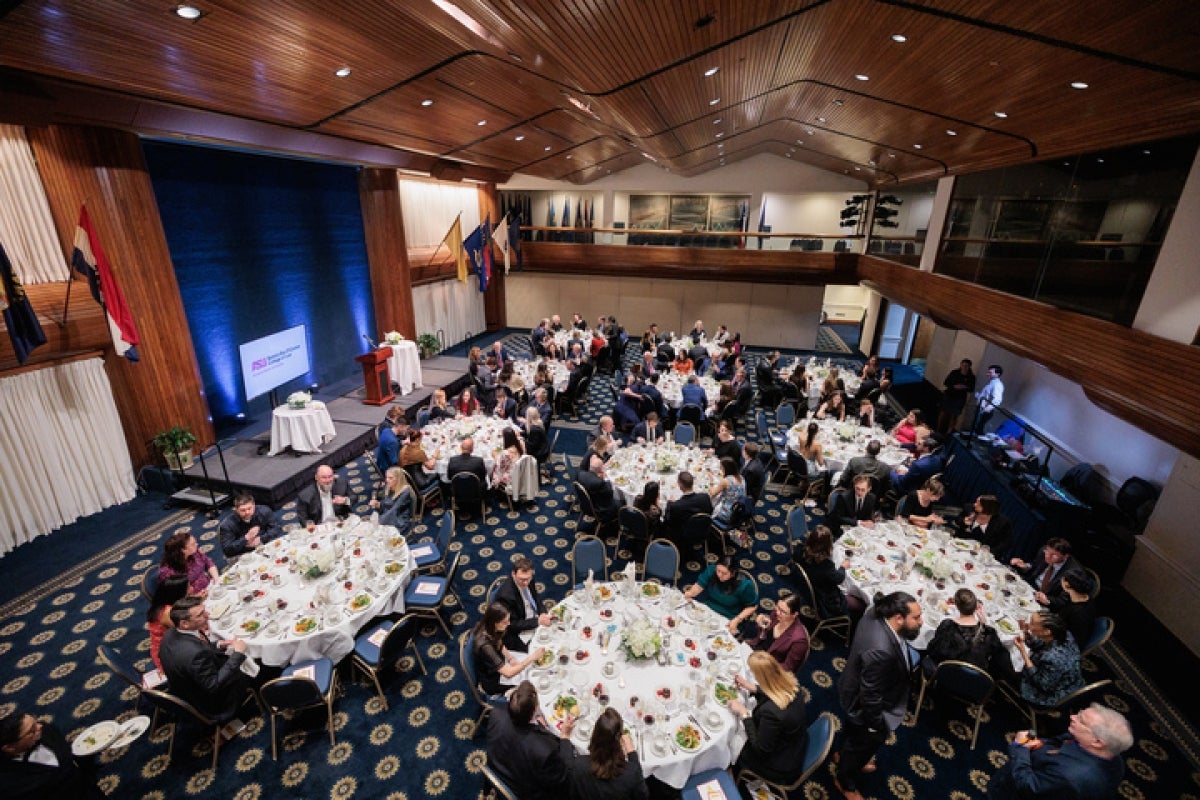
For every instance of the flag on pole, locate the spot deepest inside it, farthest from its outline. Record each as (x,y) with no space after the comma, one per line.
(514,241)
(479,249)
(454,242)
(762,223)
(19,318)
(503,241)
(592,220)
(486,276)
(744,212)
(89,261)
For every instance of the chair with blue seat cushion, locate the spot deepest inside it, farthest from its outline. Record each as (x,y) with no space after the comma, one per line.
(497,783)
(691,789)
(662,562)
(467,490)
(1102,631)
(149,583)
(431,554)
(124,670)
(785,418)
(685,433)
(305,685)
(740,527)
(425,493)
(466,660)
(179,710)
(422,417)
(426,594)
(588,553)
(379,649)
(797,529)
(765,440)
(820,741)
(962,681)
(841,624)
(633,527)
(588,521)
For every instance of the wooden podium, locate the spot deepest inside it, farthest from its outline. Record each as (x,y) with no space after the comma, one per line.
(375,376)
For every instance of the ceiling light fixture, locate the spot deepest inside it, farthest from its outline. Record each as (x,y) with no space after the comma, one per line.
(481,123)
(468,22)
(820,119)
(521,138)
(569,156)
(708,73)
(1099,160)
(546,148)
(899,38)
(714,101)
(427,103)
(717,121)
(187,12)
(1001,115)
(1145,152)
(858,169)
(344,72)
(951,133)
(861,77)
(839,102)
(719,134)
(1078,85)
(891,155)
(916,147)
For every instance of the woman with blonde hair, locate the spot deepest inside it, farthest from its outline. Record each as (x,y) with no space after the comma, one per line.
(438,407)
(395,500)
(777,730)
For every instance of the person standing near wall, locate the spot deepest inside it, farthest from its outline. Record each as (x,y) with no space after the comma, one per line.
(960,384)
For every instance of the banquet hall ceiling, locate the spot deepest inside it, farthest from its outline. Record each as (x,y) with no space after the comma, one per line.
(882,90)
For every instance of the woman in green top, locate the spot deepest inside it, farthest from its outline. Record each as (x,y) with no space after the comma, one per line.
(727,592)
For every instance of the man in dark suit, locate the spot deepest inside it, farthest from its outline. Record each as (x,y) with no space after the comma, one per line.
(666,353)
(207,675)
(529,757)
(743,392)
(520,596)
(649,430)
(678,512)
(868,464)
(754,473)
(1083,762)
(594,481)
(247,527)
(467,461)
(387,453)
(506,407)
(987,527)
(1046,571)
(500,354)
(874,685)
(652,397)
(36,762)
(929,463)
(327,499)
(847,510)
(541,401)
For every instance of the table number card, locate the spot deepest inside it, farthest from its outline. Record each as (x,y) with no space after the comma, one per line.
(377,637)
(426,587)
(422,550)
(309,672)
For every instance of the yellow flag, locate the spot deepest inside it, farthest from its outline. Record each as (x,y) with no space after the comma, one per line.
(454,241)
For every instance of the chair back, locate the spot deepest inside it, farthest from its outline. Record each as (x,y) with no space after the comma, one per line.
(175,707)
(450,570)
(466,488)
(692,413)
(1081,697)
(150,582)
(524,483)
(290,692)
(685,433)
(820,742)
(585,501)
(397,640)
(965,681)
(812,595)
(902,506)
(697,528)
(422,417)
(797,527)
(1095,576)
(764,435)
(662,561)
(466,659)
(494,589)
(112,659)
(446,530)
(497,783)
(785,416)
(1102,631)
(633,523)
(588,553)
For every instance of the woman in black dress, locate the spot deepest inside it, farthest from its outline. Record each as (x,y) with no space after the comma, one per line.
(492,659)
(647,502)
(777,730)
(610,770)
(827,577)
(967,638)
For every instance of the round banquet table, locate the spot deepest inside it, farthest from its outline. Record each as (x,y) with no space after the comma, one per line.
(443,439)
(838,450)
(689,631)
(670,384)
(372,560)
(817,372)
(632,467)
(404,366)
(885,558)
(302,429)
(527,369)
(566,337)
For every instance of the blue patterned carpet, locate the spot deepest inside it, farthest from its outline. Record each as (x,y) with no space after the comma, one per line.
(425,746)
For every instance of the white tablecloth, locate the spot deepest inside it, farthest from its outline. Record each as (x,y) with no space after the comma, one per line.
(366,553)
(527,369)
(885,559)
(566,337)
(838,451)
(632,467)
(404,366)
(302,429)
(443,440)
(670,384)
(817,372)
(689,633)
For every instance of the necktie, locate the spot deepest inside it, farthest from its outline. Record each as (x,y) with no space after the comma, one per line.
(1047,576)
(858,507)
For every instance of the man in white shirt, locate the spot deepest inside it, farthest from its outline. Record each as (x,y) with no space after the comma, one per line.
(990,396)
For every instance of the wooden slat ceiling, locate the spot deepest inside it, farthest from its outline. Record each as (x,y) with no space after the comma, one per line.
(604,81)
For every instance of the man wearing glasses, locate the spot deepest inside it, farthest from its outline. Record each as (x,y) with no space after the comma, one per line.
(207,675)
(35,761)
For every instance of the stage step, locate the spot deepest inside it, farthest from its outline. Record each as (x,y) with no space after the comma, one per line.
(200,497)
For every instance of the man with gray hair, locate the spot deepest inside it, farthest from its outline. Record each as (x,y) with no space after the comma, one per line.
(1084,762)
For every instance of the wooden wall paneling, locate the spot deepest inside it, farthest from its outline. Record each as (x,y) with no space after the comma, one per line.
(494,312)
(85,330)
(1143,379)
(106,169)
(387,251)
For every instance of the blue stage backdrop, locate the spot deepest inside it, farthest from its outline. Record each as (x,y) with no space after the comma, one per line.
(259,244)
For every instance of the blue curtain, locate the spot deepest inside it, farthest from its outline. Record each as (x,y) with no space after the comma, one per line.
(259,244)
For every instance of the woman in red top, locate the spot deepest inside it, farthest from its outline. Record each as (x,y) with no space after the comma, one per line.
(466,404)
(683,364)
(906,431)
(158,618)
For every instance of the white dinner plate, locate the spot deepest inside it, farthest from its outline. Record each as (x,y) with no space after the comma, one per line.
(130,731)
(94,739)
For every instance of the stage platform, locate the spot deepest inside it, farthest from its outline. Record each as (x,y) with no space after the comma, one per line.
(274,480)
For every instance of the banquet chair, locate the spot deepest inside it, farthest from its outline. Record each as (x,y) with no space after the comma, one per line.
(374,655)
(425,596)
(431,554)
(466,660)
(634,527)
(179,710)
(693,415)
(785,418)
(797,529)
(720,775)
(820,742)
(662,562)
(546,468)
(499,787)
(466,489)
(699,529)
(1080,698)
(1095,576)
(841,624)
(765,440)
(523,486)
(1102,631)
(586,510)
(741,521)
(422,417)
(493,589)
(588,553)
(962,681)
(125,671)
(289,693)
(685,433)
(424,494)
(149,582)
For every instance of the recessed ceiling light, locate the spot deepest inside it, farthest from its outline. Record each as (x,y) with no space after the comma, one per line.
(426,103)
(789,155)
(820,119)
(344,72)
(1145,152)
(708,73)
(521,138)
(188,12)
(839,102)
(569,156)
(546,148)
(714,101)
(720,134)
(717,121)
(951,133)
(481,123)
(858,169)
(891,155)
(799,141)
(899,38)
(916,147)
(861,77)
(1001,115)
(515,57)
(1078,85)
(720,145)
(1099,160)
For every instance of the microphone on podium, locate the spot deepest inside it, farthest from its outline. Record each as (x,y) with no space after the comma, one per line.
(370,342)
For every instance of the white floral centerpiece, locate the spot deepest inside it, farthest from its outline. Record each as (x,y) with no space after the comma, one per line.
(934,564)
(315,563)
(299,400)
(665,461)
(847,431)
(393,337)
(641,640)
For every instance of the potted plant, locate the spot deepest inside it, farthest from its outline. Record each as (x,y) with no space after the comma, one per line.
(428,344)
(175,444)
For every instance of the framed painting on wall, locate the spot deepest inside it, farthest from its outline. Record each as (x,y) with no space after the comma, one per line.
(689,212)
(728,212)
(648,212)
